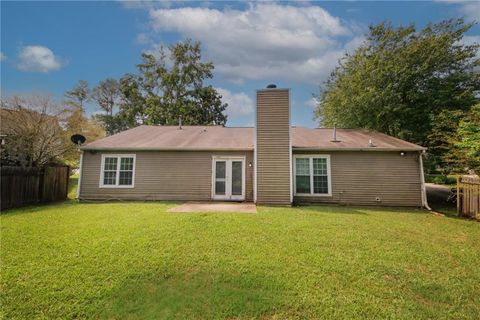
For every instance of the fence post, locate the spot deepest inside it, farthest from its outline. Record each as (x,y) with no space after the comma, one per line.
(468,196)
(41,178)
(68,181)
(458,196)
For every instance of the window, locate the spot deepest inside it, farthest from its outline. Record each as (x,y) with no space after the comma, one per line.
(312,175)
(303,175)
(118,171)
(320,175)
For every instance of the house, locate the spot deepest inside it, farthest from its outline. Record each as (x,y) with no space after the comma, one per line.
(272,163)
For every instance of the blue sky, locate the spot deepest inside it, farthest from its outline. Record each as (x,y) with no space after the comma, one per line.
(49,46)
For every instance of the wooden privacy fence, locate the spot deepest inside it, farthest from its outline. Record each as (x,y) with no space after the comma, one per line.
(23,186)
(468,196)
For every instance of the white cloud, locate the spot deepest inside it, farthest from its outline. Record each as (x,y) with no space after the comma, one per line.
(312,103)
(239,104)
(354,43)
(143,38)
(2,56)
(471,10)
(470,40)
(37,59)
(145,4)
(265,41)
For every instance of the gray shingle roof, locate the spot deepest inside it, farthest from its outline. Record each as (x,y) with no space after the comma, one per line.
(229,138)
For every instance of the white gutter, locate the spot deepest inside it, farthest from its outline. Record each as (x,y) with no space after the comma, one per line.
(80,174)
(423,188)
(106,149)
(359,149)
(163,149)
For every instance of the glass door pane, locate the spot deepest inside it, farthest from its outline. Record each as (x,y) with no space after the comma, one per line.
(237,180)
(220,177)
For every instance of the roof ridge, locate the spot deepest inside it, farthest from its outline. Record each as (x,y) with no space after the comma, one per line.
(183,125)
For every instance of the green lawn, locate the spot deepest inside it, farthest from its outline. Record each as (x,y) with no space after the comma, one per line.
(136,261)
(72,187)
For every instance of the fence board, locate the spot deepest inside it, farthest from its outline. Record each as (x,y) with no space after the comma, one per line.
(23,186)
(468,196)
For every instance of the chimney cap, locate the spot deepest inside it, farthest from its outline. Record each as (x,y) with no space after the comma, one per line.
(272,86)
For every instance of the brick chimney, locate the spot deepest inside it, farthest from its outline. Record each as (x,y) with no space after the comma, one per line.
(273,152)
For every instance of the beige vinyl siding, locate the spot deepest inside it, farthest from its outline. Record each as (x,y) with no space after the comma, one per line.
(273,147)
(358,177)
(161,175)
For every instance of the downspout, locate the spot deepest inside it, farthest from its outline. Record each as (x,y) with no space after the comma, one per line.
(80,175)
(255,153)
(422,179)
(290,151)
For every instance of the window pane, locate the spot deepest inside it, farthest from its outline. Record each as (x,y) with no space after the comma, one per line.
(303,184)
(126,178)
(220,187)
(320,184)
(109,177)
(303,167)
(110,164)
(126,164)
(320,167)
(237,177)
(220,169)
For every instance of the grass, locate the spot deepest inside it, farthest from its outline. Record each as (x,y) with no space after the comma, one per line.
(450,211)
(72,187)
(136,261)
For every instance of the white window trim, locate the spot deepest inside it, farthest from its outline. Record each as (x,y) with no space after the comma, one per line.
(117,177)
(329,174)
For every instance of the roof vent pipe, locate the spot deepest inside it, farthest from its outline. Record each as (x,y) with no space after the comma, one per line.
(370,143)
(180,123)
(334,137)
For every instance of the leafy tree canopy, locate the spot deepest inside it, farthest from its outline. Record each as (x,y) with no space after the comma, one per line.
(401,80)
(33,133)
(107,96)
(169,85)
(74,121)
(466,151)
(78,95)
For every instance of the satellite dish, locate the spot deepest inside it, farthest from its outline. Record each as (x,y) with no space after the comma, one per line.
(78,139)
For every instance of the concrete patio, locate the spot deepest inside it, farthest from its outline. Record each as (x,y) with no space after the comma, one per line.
(241,207)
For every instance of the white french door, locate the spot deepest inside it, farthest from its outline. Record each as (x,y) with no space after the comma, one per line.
(228,178)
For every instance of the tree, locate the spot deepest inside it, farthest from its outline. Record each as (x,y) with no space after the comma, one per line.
(34,136)
(465,154)
(441,141)
(401,80)
(74,121)
(79,94)
(107,96)
(170,87)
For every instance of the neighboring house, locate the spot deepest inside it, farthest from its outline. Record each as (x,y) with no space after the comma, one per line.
(273,163)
